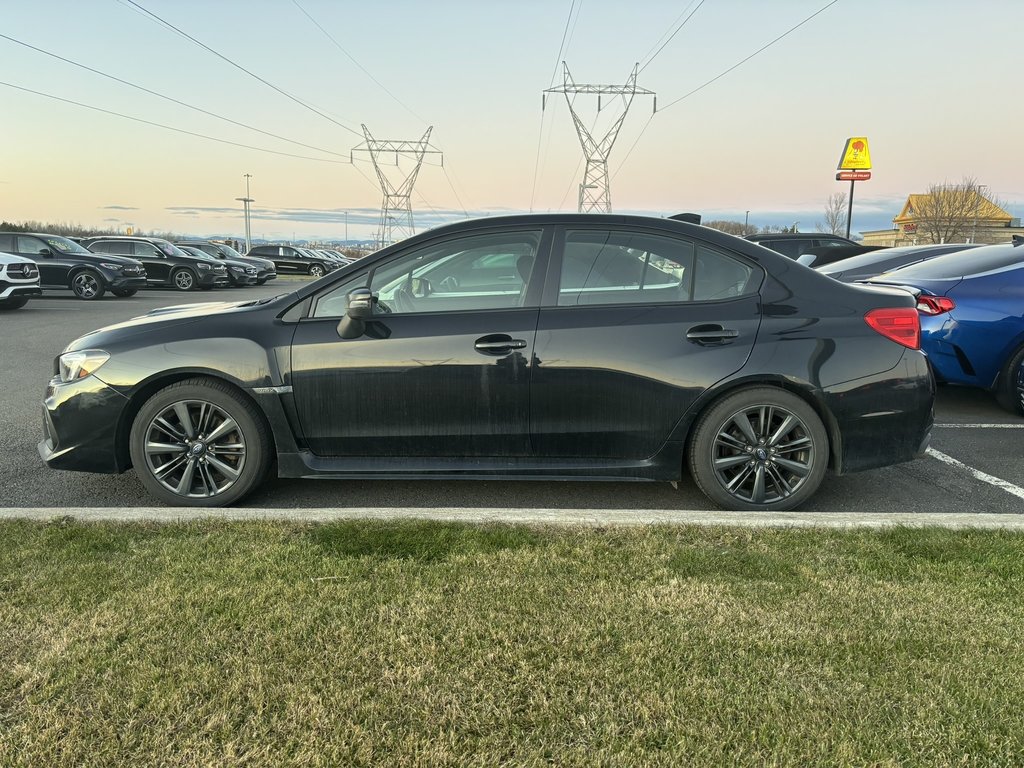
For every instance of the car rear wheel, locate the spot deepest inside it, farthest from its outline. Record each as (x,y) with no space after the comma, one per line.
(16,302)
(316,270)
(761,449)
(124,293)
(1010,390)
(183,279)
(87,285)
(199,443)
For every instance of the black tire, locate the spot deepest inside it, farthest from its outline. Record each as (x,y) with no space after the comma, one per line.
(774,463)
(261,282)
(124,293)
(183,279)
(15,302)
(87,285)
(317,270)
(1010,388)
(240,445)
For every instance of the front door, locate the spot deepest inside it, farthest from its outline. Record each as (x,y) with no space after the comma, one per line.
(153,259)
(443,369)
(635,327)
(53,270)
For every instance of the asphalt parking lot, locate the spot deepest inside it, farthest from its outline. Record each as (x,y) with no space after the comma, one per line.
(977,465)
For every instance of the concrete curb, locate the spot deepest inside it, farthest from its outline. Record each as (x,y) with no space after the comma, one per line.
(582,517)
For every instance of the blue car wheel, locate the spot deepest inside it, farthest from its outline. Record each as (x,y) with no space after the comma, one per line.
(1010,390)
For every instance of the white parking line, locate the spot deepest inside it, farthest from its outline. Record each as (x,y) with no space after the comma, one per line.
(979,426)
(998,482)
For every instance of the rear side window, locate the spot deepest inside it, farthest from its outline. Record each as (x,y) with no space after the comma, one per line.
(112,246)
(610,267)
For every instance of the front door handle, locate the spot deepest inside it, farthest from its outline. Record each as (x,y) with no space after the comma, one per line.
(498,344)
(709,335)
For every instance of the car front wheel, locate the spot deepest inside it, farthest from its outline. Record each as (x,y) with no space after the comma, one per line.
(761,449)
(183,279)
(316,270)
(87,285)
(199,443)
(16,302)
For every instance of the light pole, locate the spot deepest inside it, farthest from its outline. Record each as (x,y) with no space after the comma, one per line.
(746,219)
(246,200)
(346,229)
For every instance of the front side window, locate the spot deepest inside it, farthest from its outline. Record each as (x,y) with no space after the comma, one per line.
(147,250)
(466,274)
(63,245)
(30,245)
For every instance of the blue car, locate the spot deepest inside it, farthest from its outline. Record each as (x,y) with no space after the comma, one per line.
(972,317)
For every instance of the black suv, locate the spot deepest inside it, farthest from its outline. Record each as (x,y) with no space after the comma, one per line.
(240,273)
(166,264)
(64,263)
(290,260)
(811,248)
(265,269)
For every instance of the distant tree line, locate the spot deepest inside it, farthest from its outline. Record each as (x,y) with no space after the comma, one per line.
(740,229)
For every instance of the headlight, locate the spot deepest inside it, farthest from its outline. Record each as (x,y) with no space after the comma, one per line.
(115,267)
(78,365)
(203,266)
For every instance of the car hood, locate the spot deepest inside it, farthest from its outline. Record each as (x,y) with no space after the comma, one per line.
(10,258)
(165,316)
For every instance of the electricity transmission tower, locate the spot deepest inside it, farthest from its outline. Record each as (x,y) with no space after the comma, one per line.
(396,210)
(595,194)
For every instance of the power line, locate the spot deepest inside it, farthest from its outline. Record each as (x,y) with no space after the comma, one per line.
(540,133)
(165,97)
(171,127)
(748,58)
(353,60)
(721,75)
(239,67)
(669,40)
(455,191)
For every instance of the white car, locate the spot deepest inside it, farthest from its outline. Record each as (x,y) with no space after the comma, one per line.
(19,279)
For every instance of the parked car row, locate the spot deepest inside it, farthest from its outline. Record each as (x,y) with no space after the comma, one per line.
(93,266)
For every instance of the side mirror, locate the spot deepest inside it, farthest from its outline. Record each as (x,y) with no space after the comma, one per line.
(45,252)
(360,310)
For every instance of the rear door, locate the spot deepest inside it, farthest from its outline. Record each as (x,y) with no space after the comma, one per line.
(635,326)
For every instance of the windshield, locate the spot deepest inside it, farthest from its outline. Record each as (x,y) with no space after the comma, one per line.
(168,249)
(965,263)
(872,258)
(228,251)
(63,245)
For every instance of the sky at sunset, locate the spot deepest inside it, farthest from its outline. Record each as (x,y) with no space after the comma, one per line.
(934,85)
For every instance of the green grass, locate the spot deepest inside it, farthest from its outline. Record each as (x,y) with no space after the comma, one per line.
(414,643)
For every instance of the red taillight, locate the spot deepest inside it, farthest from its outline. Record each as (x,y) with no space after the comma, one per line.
(934,305)
(900,324)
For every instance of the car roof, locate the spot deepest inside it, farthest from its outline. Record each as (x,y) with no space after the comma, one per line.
(964,263)
(796,235)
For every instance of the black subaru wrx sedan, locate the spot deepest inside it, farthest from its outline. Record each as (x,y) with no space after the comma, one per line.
(541,346)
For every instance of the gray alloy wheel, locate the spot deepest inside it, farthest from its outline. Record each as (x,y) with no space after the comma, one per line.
(316,270)
(87,285)
(759,449)
(199,443)
(183,279)
(1010,387)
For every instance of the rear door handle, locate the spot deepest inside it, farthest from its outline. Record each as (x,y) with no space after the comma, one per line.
(710,335)
(498,344)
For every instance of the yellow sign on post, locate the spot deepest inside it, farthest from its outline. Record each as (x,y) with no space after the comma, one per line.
(856,155)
